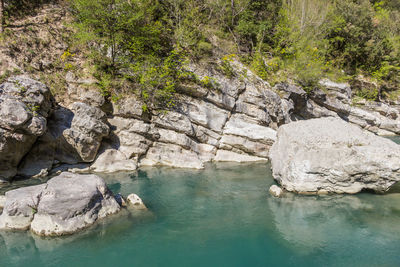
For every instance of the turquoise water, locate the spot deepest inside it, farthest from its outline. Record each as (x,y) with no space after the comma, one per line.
(396,139)
(222,216)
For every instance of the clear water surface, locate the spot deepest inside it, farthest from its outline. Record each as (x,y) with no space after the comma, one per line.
(222,216)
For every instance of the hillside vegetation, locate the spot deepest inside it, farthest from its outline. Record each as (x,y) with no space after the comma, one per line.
(143,46)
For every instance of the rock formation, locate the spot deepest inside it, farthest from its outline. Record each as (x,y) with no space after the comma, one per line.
(24,107)
(329,154)
(65,204)
(74,135)
(235,121)
(336,100)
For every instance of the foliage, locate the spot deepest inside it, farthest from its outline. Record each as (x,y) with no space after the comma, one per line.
(147,42)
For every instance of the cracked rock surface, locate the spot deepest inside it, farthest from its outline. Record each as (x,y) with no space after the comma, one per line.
(64,205)
(331,155)
(24,107)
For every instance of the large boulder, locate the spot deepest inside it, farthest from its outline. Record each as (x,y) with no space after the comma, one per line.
(74,136)
(88,127)
(331,155)
(65,204)
(25,105)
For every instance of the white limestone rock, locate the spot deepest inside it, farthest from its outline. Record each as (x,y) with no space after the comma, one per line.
(112,160)
(275,191)
(242,125)
(71,202)
(64,205)
(230,156)
(171,155)
(25,105)
(334,156)
(20,207)
(136,202)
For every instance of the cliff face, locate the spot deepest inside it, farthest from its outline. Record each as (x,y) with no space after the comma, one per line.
(235,120)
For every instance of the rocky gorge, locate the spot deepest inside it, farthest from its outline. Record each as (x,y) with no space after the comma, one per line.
(239,119)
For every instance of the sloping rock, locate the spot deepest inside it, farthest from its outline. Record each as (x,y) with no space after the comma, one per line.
(334,100)
(65,204)
(231,156)
(25,105)
(171,155)
(331,155)
(241,125)
(112,160)
(260,102)
(20,207)
(204,114)
(174,121)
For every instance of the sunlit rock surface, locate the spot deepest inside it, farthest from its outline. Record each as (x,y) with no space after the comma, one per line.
(332,155)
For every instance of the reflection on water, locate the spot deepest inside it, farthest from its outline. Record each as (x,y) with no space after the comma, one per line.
(311,222)
(222,216)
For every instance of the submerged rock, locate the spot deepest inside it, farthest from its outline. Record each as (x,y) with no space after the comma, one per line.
(330,155)
(64,205)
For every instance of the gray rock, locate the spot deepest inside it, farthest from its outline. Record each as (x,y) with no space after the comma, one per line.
(275,191)
(297,96)
(259,149)
(64,205)
(231,156)
(40,158)
(171,155)
(136,202)
(241,125)
(128,107)
(20,207)
(129,136)
(205,152)
(334,156)
(204,114)
(175,121)
(343,90)
(88,128)
(24,107)
(260,102)
(330,101)
(112,160)
(74,136)
(169,136)
(207,136)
